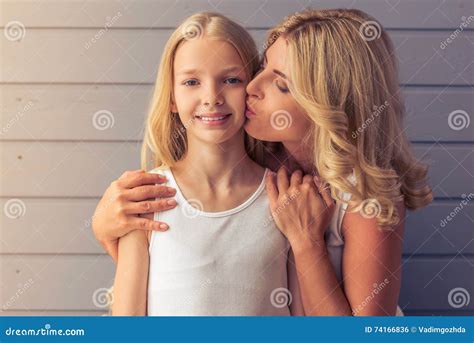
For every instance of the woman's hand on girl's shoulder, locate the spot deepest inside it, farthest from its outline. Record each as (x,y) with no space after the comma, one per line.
(131,195)
(301,207)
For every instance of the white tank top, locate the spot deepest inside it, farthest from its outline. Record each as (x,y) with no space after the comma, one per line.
(232,262)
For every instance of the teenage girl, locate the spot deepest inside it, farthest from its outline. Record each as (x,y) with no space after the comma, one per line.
(223,254)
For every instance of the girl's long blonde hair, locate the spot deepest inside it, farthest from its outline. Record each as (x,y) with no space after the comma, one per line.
(344,76)
(165,135)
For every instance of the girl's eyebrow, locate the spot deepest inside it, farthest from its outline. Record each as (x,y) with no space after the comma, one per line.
(235,68)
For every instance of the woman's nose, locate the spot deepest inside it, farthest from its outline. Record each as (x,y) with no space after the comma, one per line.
(254,88)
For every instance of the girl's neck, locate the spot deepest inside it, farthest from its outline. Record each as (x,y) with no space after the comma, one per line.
(226,164)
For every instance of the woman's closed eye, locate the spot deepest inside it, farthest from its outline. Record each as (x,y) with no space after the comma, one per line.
(281,86)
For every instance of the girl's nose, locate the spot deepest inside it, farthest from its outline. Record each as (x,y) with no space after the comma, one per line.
(213,97)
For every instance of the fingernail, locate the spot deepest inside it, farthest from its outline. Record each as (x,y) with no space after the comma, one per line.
(163,226)
(171,202)
(170,189)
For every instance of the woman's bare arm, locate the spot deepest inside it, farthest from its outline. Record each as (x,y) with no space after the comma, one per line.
(131,276)
(370,270)
(371,264)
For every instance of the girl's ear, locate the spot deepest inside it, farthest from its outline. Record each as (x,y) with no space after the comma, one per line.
(174,108)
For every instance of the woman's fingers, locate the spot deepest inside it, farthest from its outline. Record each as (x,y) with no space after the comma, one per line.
(150,206)
(148,192)
(325,191)
(296,178)
(134,178)
(138,223)
(308,179)
(271,188)
(282,180)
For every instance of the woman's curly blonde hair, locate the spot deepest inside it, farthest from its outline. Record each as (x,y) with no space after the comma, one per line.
(343,74)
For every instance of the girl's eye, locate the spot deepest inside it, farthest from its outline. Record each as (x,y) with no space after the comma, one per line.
(283,88)
(190,83)
(233,80)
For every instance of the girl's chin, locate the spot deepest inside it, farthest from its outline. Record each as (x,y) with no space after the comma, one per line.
(216,135)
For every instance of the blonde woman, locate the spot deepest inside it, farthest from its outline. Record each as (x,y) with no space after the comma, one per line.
(328,93)
(329,90)
(223,255)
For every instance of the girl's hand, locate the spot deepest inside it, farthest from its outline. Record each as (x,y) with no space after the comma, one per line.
(301,207)
(131,195)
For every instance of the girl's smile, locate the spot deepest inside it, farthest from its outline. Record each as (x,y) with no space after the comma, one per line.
(213,119)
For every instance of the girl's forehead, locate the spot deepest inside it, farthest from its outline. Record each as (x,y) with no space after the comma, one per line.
(204,53)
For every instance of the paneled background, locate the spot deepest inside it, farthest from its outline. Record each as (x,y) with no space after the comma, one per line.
(75,81)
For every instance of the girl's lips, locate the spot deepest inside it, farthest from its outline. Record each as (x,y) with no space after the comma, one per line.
(214,120)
